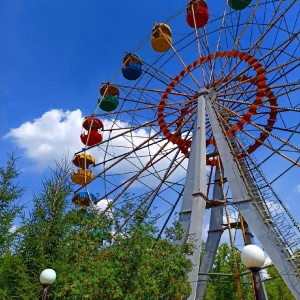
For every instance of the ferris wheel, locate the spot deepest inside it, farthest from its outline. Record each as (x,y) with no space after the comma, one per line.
(203,119)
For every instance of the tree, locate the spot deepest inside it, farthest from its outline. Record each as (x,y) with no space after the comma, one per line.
(224,287)
(276,287)
(100,255)
(10,264)
(40,238)
(89,261)
(15,284)
(10,192)
(44,233)
(136,265)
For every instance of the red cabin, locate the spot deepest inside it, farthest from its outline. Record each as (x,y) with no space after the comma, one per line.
(92,138)
(91,123)
(93,135)
(197,12)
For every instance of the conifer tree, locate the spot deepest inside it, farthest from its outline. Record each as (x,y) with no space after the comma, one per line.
(10,208)
(45,231)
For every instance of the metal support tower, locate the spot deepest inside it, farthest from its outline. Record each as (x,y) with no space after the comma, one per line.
(213,239)
(194,196)
(248,203)
(250,207)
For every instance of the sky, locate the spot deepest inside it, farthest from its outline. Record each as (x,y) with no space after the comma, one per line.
(54,56)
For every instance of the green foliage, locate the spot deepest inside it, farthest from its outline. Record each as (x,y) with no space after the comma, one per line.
(134,266)
(14,280)
(79,245)
(10,192)
(14,283)
(44,233)
(276,287)
(225,287)
(112,254)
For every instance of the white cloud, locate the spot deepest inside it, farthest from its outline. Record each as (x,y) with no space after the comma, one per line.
(102,205)
(57,133)
(48,138)
(13,228)
(205,232)
(135,161)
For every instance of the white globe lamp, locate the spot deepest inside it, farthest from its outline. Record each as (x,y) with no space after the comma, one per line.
(47,277)
(253,257)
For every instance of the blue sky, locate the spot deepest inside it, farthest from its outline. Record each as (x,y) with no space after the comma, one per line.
(56,53)
(54,56)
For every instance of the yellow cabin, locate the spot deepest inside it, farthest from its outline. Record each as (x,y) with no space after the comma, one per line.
(82,177)
(83,161)
(161,37)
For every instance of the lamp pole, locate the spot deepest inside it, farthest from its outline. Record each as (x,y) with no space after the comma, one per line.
(47,277)
(253,258)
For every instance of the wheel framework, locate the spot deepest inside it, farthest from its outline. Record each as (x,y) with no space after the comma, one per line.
(147,140)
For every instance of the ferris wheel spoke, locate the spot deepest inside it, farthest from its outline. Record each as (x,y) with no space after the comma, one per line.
(293,131)
(294,63)
(143,203)
(167,174)
(122,133)
(218,45)
(274,150)
(170,214)
(190,73)
(141,179)
(272,23)
(125,185)
(279,68)
(153,90)
(237,41)
(284,74)
(124,156)
(223,85)
(282,174)
(287,92)
(198,43)
(168,78)
(208,53)
(183,64)
(277,107)
(257,43)
(264,132)
(293,86)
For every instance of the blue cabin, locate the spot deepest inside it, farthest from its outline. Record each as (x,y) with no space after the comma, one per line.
(132,66)
(83,199)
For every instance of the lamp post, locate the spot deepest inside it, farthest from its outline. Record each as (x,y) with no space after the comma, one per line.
(253,258)
(47,277)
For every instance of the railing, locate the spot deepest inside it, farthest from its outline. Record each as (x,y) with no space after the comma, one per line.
(273,211)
